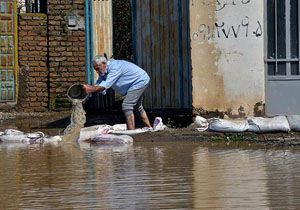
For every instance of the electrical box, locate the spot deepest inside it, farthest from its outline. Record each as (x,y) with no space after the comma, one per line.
(72,20)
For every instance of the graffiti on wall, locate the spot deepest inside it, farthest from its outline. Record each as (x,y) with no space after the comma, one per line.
(225,30)
(220,4)
(243,28)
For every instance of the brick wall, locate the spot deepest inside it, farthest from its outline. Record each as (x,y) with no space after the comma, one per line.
(66,51)
(33,72)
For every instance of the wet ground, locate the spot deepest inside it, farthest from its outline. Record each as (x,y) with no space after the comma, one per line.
(180,128)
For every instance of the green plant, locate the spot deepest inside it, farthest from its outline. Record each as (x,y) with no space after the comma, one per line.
(235,137)
(218,138)
(170,123)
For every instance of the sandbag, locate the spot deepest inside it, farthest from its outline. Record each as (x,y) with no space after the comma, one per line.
(158,124)
(221,125)
(93,131)
(122,128)
(12,135)
(112,139)
(130,132)
(294,122)
(16,136)
(263,125)
(201,123)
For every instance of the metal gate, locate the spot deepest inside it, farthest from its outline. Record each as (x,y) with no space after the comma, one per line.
(8,50)
(161,44)
(282,57)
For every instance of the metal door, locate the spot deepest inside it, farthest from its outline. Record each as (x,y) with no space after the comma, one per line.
(8,50)
(161,43)
(282,57)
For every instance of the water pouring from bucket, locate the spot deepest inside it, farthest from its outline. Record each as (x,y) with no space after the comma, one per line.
(77,92)
(77,95)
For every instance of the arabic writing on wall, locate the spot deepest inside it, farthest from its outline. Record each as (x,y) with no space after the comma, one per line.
(220,4)
(243,27)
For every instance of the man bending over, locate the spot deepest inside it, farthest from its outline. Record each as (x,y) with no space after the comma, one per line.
(127,79)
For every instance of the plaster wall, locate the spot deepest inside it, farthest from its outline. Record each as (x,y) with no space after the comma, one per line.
(227,52)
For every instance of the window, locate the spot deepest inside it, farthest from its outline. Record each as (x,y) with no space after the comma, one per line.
(282,51)
(32,6)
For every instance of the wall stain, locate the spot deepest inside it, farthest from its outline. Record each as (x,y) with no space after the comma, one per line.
(241,113)
(259,109)
(208,83)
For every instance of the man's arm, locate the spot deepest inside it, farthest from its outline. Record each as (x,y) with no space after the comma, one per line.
(91,89)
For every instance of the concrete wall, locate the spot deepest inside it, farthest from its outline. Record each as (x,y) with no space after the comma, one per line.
(227,52)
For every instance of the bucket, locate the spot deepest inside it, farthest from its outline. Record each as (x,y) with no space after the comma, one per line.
(76,91)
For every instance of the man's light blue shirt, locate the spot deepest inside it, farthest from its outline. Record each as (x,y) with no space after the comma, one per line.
(122,76)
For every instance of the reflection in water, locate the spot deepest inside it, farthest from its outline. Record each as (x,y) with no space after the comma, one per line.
(283,169)
(230,179)
(147,175)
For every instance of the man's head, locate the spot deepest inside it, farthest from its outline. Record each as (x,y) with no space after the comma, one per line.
(99,64)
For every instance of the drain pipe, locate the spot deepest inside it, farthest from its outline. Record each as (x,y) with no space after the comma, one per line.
(87,43)
(91,39)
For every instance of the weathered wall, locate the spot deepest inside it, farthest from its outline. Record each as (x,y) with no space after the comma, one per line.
(33,72)
(66,50)
(227,56)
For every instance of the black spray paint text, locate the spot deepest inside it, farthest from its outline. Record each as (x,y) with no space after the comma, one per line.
(223,30)
(220,4)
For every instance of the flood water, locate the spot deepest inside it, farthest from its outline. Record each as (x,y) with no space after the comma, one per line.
(145,175)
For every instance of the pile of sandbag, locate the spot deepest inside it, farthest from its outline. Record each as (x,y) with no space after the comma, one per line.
(16,136)
(116,134)
(121,129)
(252,124)
(102,134)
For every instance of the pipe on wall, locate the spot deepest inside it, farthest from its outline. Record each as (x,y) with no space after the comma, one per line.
(87,42)
(91,38)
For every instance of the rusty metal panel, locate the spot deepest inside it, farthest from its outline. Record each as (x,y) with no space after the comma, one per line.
(174,58)
(186,63)
(102,42)
(162,45)
(8,50)
(146,42)
(155,54)
(102,28)
(164,56)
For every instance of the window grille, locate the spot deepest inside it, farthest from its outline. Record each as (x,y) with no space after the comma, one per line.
(32,6)
(282,41)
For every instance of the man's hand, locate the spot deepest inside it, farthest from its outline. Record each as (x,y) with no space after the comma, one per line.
(88,89)
(91,89)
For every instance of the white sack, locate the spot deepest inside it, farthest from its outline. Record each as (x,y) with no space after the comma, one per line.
(16,136)
(119,127)
(201,123)
(122,128)
(294,122)
(112,139)
(221,125)
(130,132)
(93,131)
(158,124)
(262,125)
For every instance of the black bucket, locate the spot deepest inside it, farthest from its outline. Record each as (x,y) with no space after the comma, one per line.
(76,91)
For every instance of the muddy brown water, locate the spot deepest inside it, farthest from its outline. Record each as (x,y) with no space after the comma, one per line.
(147,175)
(173,175)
